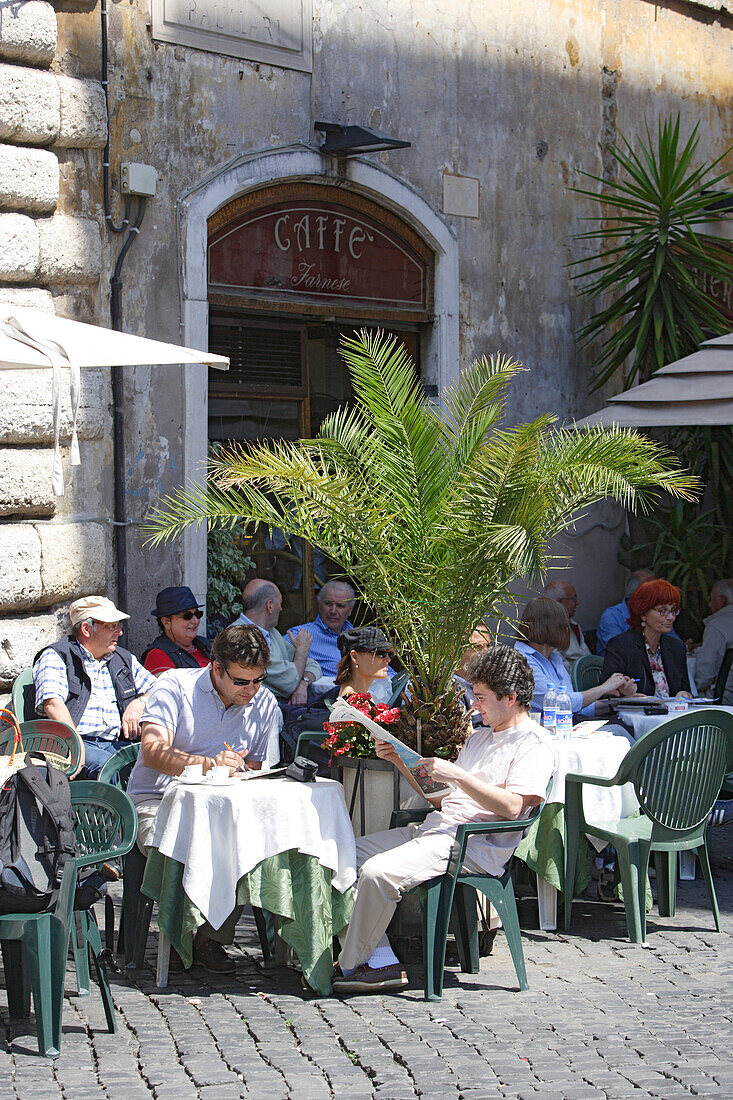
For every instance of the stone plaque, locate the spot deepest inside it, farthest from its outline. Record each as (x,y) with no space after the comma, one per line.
(278,33)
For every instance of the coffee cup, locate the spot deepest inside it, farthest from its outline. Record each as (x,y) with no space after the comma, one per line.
(193,773)
(219,773)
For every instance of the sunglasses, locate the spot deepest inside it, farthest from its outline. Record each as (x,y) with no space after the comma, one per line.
(188,615)
(244,683)
(379,652)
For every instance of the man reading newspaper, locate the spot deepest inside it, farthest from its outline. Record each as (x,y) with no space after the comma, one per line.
(500,774)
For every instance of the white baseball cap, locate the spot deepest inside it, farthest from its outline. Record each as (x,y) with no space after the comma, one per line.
(95,607)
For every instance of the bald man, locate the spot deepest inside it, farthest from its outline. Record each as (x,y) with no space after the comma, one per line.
(564,593)
(290,670)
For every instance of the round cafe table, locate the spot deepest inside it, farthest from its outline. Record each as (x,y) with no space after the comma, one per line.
(543,848)
(284,846)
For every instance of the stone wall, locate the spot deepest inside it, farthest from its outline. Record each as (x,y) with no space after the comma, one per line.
(52,549)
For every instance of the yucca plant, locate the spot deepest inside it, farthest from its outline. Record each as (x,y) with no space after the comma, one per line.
(652,255)
(433,511)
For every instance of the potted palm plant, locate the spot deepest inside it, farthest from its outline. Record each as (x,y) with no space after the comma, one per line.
(434,510)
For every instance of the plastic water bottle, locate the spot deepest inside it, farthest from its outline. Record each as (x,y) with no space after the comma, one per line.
(563,715)
(549,708)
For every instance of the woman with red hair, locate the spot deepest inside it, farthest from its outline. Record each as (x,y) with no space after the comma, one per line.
(648,653)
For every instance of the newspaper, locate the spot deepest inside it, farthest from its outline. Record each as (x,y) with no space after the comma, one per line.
(344,712)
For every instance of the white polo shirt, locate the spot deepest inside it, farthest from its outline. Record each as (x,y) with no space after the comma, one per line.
(185,702)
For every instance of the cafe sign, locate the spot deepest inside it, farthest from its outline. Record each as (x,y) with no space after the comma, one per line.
(323,245)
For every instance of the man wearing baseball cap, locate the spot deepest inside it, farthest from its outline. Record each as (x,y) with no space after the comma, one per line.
(92,684)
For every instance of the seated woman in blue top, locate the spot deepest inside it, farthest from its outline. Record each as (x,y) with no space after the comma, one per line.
(545,630)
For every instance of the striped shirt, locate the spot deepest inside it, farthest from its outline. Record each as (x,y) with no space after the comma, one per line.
(101,717)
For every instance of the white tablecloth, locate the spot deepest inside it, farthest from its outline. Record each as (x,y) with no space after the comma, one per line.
(219,833)
(640,723)
(598,754)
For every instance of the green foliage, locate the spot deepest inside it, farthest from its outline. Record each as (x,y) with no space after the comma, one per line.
(227,563)
(651,256)
(433,511)
(691,551)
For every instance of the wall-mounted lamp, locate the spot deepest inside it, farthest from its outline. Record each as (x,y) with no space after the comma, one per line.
(349,141)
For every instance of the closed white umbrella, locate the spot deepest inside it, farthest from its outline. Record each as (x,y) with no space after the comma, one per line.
(30,338)
(695,390)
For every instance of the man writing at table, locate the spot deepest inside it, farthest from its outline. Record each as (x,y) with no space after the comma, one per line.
(500,774)
(219,715)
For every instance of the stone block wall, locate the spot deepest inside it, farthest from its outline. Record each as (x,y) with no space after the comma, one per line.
(53,549)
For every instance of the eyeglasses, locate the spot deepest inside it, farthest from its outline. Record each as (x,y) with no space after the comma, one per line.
(188,615)
(244,683)
(667,612)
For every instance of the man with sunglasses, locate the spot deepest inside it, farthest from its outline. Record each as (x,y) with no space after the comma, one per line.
(219,715)
(178,644)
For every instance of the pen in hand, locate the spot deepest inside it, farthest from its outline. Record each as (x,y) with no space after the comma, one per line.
(242,766)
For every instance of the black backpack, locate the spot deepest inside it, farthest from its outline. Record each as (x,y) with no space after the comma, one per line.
(36,837)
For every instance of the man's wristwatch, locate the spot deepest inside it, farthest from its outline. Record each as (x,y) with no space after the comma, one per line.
(305,680)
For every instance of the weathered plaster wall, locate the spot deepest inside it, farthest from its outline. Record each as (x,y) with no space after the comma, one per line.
(521,96)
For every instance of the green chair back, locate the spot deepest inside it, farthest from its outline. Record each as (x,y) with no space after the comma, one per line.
(677,769)
(723,673)
(586,672)
(399,683)
(118,768)
(23,696)
(47,735)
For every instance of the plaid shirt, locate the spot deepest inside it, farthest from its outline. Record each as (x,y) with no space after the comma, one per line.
(101,718)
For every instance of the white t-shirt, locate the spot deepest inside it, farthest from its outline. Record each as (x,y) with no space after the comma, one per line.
(519,759)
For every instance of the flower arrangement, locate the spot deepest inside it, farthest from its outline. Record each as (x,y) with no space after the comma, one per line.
(351,738)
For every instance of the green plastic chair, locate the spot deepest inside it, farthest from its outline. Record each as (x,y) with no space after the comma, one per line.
(586,672)
(35,945)
(450,899)
(23,696)
(47,735)
(676,770)
(116,771)
(723,673)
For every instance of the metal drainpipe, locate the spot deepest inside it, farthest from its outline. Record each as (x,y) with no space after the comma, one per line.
(118,421)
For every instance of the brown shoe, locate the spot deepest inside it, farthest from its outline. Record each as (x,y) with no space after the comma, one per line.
(109,872)
(212,957)
(368,979)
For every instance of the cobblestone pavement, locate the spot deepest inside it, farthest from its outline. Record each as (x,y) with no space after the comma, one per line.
(602,1019)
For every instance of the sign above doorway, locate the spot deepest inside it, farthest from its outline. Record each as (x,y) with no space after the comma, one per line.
(319,245)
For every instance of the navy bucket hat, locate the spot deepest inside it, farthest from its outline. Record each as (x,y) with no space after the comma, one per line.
(170,601)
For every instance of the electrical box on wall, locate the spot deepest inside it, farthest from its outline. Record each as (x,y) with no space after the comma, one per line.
(138,179)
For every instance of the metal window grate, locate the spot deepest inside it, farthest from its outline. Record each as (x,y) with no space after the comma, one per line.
(261,359)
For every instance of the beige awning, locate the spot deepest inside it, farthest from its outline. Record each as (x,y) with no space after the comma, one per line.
(696,390)
(32,339)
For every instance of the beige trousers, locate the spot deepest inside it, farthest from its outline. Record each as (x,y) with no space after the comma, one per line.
(390,863)
(146,814)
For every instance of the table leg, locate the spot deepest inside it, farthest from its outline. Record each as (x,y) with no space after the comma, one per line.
(547,904)
(164,957)
(687,866)
(283,950)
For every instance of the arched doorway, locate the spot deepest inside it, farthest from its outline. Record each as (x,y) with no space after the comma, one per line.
(260,311)
(292,268)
